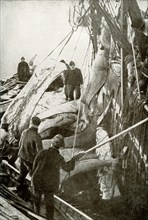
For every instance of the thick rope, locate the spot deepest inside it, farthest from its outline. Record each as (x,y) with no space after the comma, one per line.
(136,72)
(79,108)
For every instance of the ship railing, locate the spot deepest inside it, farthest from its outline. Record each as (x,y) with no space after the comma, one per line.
(68,211)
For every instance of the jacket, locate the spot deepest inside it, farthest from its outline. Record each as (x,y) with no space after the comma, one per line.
(30,144)
(46,169)
(23,71)
(73,77)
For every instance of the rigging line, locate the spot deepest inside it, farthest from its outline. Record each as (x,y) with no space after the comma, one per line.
(137,78)
(72,32)
(79,108)
(117,124)
(86,53)
(55,48)
(75,136)
(76,44)
(112,11)
(134,110)
(115,30)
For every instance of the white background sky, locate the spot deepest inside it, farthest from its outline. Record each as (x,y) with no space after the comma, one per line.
(30,27)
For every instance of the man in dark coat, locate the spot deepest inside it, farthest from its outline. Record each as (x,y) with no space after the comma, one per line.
(30,144)
(23,70)
(46,174)
(73,80)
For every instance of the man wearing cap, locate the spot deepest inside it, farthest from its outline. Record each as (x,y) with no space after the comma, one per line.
(30,144)
(46,174)
(23,71)
(73,80)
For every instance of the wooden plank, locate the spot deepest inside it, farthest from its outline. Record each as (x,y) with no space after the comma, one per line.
(68,210)
(7,211)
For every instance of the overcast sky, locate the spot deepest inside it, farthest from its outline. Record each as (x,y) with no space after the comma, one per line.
(30,27)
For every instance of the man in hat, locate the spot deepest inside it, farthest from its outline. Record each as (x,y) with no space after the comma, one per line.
(73,80)
(23,71)
(46,174)
(30,144)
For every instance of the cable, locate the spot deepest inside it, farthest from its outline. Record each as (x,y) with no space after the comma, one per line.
(55,48)
(76,44)
(66,43)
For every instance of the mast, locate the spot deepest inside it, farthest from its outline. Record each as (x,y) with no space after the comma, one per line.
(124,10)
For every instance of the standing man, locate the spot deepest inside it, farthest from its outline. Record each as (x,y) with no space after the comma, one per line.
(73,81)
(23,70)
(46,174)
(30,144)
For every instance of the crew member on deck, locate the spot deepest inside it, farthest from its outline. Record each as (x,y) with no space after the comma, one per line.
(23,71)
(46,174)
(73,80)
(30,144)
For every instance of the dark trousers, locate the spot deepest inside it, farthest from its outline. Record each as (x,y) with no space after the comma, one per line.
(71,89)
(25,167)
(49,203)
(66,92)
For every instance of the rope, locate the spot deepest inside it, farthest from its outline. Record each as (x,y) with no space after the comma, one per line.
(74,142)
(137,80)
(55,48)
(76,44)
(66,43)
(78,109)
(115,30)
(86,53)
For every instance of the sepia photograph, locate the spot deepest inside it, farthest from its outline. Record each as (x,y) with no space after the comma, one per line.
(74,110)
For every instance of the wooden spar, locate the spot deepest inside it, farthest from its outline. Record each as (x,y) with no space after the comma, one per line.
(136,72)
(118,135)
(124,10)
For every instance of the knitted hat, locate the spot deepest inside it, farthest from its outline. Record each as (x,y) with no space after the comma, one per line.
(58,141)
(36,121)
(5,125)
(71,63)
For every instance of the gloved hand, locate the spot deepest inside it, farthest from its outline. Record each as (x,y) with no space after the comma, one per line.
(78,155)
